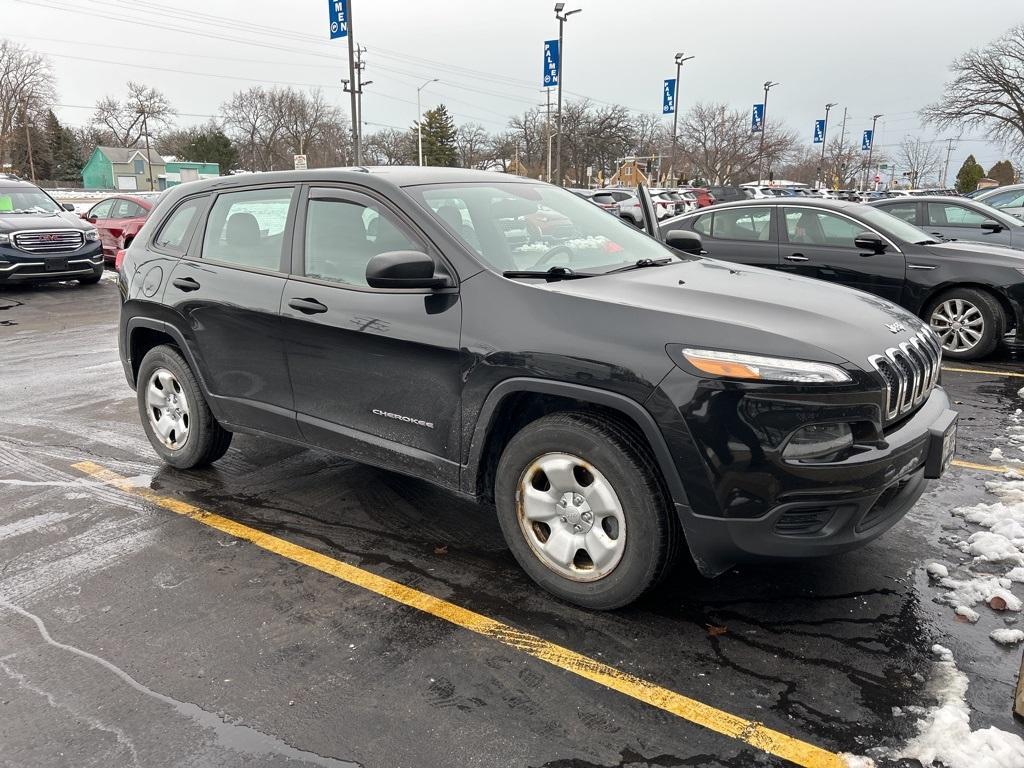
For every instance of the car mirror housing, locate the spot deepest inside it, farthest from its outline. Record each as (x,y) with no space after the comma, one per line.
(68,207)
(685,240)
(991,226)
(403,269)
(869,241)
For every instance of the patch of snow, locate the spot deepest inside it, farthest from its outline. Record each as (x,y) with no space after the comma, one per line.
(997,454)
(968,613)
(989,547)
(974,590)
(1007,636)
(938,570)
(1004,597)
(856,761)
(944,732)
(1016,574)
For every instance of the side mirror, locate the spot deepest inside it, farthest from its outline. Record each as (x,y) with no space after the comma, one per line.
(403,269)
(91,219)
(991,226)
(685,240)
(68,207)
(868,241)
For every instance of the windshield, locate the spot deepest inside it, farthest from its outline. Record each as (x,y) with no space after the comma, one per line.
(892,225)
(521,226)
(26,201)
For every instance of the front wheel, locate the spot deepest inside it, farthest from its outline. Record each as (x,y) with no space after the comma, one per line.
(969,323)
(95,277)
(582,510)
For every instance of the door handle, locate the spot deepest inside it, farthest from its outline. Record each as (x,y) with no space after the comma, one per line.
(307,306)
(796,257)
(185,284)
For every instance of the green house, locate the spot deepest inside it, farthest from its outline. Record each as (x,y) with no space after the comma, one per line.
(181,171)
(123,168)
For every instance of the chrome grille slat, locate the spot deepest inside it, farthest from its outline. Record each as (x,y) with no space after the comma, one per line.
(910,371)
(49,241)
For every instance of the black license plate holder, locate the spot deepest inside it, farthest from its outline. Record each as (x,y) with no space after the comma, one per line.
(941,445)
(56,265)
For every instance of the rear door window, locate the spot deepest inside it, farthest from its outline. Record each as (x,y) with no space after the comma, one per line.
(953,215)
(821,228)
(743,224)
(173,235)
(905,211)
(247,228)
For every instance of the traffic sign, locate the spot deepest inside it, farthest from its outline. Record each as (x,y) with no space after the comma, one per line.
(338,14)
(552,63)
(877,178)
(819,131)
(668,97)
(865,142)
(300,162)
(757,119)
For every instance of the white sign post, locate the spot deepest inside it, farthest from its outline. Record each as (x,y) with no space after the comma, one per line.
(300,162)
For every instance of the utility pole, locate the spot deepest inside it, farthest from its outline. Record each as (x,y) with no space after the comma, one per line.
(360,68)
(945,170)
(419,119)
(824,142)
(547,130)
(28,141)
(768,85)
(871,149)
(356,145)
(842,148)
(559,7)
(680,58)
(149,158)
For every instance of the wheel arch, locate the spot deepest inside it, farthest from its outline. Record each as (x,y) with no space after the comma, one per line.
(1011,316)
(514,403)
(145,333)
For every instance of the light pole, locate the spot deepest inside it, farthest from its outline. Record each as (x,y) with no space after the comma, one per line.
(768,85)
(562,17)
(680,58)
(419,117)
(871,148)
(824,135)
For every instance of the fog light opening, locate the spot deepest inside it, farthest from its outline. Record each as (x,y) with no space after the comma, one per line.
(819,442)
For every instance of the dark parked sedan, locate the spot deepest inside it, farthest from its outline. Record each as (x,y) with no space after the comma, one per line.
(971,294)
(957,218)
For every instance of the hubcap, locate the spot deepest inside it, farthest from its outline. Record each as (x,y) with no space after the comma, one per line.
(959,324)
(168,409)
(571,517)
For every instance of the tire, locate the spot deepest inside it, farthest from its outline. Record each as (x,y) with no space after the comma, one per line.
(625,552)
(92,279)
(194,438)
(969,322)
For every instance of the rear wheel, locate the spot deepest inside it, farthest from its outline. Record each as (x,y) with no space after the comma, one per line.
(969,322)
(178,422)
(583,512)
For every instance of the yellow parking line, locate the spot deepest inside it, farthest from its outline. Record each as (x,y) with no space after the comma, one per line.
(1009,374)
(982,467)
(753,733)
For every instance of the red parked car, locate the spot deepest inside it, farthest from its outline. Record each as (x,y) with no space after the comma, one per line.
(119,219)
(704,197)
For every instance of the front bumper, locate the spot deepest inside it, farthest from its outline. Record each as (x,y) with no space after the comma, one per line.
(19,266)
(747,504)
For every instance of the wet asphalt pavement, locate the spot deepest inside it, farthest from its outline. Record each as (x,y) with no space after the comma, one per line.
(133,636)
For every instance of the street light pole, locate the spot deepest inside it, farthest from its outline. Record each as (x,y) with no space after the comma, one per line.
(680,58)
(871,149)
(562,17)
(419,118)
(768,85)
(824,136)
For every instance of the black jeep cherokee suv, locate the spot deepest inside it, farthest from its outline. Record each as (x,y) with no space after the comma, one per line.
(41,240)
(505,339)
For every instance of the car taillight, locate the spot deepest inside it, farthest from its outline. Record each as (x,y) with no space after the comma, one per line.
(118,259)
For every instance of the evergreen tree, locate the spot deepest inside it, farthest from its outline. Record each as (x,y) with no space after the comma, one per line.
(64,150)
(210,145)
(439,138)
(1002,172)
(968,176)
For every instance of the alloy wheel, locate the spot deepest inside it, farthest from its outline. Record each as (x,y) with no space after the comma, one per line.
(168,409)
(959,324)
(571,517)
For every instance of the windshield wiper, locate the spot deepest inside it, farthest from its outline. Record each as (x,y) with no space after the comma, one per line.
(555,273)
(640,265)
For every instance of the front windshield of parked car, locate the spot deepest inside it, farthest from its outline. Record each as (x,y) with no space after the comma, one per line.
(13,201)
(521,226)
(892,225)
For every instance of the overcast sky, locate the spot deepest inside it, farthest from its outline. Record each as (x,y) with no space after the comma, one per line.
(889,58)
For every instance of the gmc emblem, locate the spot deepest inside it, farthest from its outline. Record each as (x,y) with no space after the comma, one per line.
(49,237)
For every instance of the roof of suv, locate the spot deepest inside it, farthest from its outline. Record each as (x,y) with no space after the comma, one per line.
(16,184)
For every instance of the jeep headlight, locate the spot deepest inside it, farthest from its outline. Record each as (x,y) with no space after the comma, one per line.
(92,235)
(736,365)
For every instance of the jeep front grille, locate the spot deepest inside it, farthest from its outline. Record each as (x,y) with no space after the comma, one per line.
(57,241)
(910,371)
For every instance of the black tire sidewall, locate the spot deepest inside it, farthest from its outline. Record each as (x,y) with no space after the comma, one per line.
(992,312)
(638,493)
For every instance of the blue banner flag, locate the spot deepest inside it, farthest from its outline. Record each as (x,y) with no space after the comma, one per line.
(552,63)
(337,11)
(668,97)
(757,119)
(819,131)
(865,143)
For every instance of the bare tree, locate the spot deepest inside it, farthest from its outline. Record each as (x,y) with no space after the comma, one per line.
(26,90)
(390,146)
(921,159)
(143,111)
(471,146)
(987,91)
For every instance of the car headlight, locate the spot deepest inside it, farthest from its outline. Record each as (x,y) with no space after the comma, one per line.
(735,365)
(92,235)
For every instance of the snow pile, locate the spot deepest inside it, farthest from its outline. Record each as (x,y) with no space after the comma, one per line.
(979,589)
(967,613)
(938,570)
(944,731)
(1007,636)
(856,761)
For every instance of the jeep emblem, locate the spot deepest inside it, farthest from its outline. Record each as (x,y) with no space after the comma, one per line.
(896,326)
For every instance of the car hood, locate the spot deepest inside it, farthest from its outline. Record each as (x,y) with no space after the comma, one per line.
(999,255)
(741,308)
(15,222)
